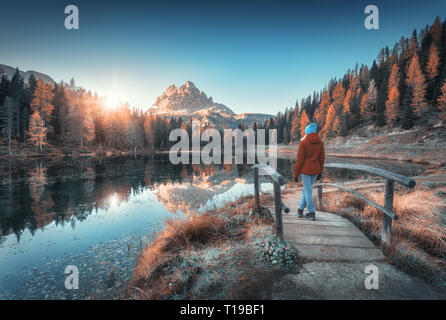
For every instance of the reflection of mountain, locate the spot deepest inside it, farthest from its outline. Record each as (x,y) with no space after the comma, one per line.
(190,196)
(66,191)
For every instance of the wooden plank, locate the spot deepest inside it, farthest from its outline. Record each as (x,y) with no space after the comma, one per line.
(388,212)
(405,181)
(303,222)
(337,231)
(346,241)
(337,253)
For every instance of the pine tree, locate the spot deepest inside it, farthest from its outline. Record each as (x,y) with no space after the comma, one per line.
(392,107)
(4,85)
(60,112)
(28,96)
(16,92)
(37,130)
(295,125)
(442,98)
(393,100)
(432,73)
(286,136)
(364,106)
(7,118)
(332,124)
(407,116)
(338,96)
(432,63)
(42,102)
(372,95)
(415,79)
(347,104)
(304,121)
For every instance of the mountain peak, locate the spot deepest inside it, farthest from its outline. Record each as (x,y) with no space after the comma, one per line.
(189,84)
(188,101)
(9,71)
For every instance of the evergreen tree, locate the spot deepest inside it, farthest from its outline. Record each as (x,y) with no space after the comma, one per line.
(7,119)
(364,106)
(37,134)
(4,85)
(338,96)
(332,126)
(295,125)
(4,88)
(16,92)
(42,102)
(407,116)
(372,94)
(304,121)
(415,79)
(26,110)
(60,113)
(393,100)
(442,98)
(432,73)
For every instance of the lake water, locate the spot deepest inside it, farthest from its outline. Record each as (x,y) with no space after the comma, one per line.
(97,215)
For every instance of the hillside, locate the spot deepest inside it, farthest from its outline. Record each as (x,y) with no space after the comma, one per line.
(9,71)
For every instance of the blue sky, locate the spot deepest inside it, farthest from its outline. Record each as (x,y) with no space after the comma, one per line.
(253,56)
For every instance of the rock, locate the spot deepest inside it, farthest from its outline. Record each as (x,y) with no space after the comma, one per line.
(188,102)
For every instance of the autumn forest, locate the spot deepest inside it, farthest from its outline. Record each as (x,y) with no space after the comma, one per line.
(403,87)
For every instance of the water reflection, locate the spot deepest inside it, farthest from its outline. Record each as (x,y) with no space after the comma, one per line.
(37,193)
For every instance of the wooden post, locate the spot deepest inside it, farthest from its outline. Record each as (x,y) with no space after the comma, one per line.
(278,209)
(319,197)
(256,191)
(388,204)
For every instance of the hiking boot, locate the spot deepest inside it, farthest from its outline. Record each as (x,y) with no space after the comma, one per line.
(311,216)
(300,213)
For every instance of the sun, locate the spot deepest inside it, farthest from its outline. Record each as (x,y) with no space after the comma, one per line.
(112,101)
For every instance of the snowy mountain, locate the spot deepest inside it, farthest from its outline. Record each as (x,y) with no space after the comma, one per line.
(9,71)
(188,102)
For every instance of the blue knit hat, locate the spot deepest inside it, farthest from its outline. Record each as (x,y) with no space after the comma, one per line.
(311,128)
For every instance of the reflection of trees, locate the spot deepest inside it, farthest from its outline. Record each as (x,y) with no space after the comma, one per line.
(68,191)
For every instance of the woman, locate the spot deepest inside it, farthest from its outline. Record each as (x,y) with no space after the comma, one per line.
(309,165)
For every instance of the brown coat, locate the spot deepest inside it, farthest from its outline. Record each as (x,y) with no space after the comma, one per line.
(310,156)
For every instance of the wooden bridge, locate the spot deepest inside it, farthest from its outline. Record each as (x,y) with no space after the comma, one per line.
(331,237)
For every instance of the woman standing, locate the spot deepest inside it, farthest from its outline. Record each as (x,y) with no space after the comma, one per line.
(309,166)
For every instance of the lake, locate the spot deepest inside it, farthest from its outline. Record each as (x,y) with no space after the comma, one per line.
(97,214)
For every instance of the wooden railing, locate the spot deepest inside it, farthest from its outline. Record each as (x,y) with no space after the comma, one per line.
(387,210)
(278,181)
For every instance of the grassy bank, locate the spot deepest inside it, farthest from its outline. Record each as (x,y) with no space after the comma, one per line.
(230,253)
(418,244)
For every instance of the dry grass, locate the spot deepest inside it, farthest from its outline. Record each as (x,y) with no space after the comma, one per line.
(214,255)
(418,242)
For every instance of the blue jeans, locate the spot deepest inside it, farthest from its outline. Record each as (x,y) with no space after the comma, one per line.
(307,193)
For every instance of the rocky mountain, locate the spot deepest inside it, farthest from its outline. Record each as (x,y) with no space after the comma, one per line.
(188,102)
(9,71)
